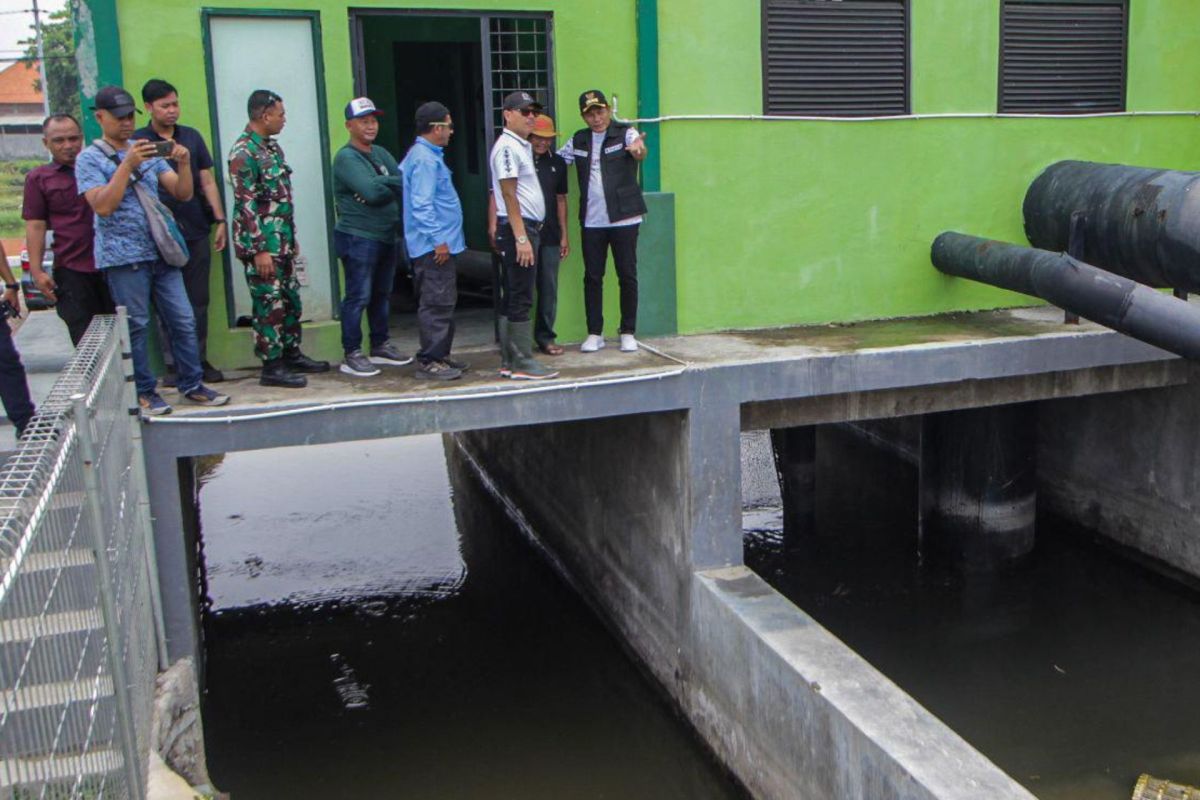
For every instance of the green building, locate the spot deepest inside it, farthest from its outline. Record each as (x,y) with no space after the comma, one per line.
(808,150)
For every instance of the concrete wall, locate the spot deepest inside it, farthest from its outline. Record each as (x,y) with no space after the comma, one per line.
(1128,466)
(642,515)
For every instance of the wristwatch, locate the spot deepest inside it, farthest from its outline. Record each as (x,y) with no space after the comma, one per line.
(522,240)
(12,286)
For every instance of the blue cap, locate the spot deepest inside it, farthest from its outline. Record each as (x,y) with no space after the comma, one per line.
(362,107)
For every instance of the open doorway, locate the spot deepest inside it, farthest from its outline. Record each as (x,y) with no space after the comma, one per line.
(469,61)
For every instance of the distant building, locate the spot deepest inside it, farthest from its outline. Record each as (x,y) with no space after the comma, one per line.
(21,112)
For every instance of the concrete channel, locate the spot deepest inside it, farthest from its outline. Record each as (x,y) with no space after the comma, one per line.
(644,519)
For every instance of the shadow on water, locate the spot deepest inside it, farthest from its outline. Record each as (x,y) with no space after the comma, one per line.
(406,640)
(1073,672)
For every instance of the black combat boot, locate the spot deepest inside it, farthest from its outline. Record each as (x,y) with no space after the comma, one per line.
(298,362)
(276,373)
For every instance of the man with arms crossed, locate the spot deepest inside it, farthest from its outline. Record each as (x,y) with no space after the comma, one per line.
(52,202)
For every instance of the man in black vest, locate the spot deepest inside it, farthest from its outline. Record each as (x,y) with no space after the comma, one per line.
(611,206)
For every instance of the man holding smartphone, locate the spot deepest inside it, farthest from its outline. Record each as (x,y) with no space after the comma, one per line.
(107,173)
(196,217)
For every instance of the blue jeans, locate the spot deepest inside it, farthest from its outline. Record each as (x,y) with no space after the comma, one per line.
(133,286)
(370,267)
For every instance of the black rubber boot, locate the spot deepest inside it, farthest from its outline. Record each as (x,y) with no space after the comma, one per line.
(276,373)
(298,362)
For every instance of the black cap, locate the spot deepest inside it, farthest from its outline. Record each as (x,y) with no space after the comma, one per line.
(433,111)
(592,98)
(520,99)
(114,100)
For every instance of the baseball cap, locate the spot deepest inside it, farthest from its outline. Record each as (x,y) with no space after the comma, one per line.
(592,98)
(433,111)
(115,100)
(520,99)
(362,107)
(544,126)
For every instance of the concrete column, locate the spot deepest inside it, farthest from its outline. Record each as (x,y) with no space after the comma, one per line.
(795,452)
(978,486)
(175,549)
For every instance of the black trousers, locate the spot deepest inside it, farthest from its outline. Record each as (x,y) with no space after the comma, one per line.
(517,300)
(14,388)
(437,290)
(596,243)
(81,296)
(195,283)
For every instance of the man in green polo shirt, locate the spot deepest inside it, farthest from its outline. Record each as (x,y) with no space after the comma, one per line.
(366,189)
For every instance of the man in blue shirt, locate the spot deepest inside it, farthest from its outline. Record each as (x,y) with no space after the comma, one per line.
(433,232)
(125,251)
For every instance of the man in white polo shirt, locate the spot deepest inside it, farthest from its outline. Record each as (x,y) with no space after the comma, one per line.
(520,209)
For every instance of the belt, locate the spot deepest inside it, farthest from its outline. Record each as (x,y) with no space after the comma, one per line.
(530,224)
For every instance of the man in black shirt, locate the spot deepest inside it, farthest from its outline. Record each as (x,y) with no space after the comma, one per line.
(552,174)
(196,217)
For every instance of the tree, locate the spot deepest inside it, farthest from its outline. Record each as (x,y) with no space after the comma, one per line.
(58,43)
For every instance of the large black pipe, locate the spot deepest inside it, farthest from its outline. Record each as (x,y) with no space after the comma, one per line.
(1140,223)
(1092,293)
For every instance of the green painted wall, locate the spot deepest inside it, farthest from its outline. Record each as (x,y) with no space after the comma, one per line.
(595,46)
(782,222)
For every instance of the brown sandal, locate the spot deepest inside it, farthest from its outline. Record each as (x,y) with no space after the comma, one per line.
(551,349)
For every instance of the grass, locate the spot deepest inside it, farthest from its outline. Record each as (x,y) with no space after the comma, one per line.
(12,185)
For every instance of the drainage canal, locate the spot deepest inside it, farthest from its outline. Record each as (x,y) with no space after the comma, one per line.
(1073,671)
(379,628)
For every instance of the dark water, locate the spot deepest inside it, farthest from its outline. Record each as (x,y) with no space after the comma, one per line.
(1074,672)
(382,630)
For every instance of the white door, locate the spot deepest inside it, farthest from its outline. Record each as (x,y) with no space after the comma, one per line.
(276,53)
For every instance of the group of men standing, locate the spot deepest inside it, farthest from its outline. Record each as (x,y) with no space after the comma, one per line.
(104,204)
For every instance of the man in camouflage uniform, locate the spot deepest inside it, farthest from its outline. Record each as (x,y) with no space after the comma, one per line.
(264,239)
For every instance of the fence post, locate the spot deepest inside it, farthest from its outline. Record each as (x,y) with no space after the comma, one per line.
(91,483)
(143,490)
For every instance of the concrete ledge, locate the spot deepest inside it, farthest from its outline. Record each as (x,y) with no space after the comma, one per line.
(796,713)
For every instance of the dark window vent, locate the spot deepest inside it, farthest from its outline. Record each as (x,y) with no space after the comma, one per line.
(1063,58)
(838,58)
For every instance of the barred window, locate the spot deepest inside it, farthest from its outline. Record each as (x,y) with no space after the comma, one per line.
(1065,57)
(841,58)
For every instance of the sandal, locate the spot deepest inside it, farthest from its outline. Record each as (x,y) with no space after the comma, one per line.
(551,349)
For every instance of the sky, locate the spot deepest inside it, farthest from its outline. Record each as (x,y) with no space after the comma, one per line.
(16,23)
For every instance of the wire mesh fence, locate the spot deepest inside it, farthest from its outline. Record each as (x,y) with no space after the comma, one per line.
(78,647)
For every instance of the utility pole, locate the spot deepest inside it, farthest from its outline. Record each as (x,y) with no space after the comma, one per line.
(41,55)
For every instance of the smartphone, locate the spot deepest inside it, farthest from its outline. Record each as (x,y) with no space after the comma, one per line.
(163,149)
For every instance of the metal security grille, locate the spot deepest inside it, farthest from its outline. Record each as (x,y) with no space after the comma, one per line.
(842,58)
(1064,57)
(517,57)
(79,630)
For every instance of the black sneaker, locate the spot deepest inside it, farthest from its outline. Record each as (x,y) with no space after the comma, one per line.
(461,366)
(387,353)
(298,362)
(356,364)
(437,371)
(211,373)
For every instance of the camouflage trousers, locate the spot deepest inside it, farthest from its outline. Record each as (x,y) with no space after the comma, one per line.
(275,307)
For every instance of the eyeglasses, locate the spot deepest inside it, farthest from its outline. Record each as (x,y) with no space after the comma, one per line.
(526,112)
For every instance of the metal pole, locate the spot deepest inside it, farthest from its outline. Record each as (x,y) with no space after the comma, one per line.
(91,483)
(41,54)
(138,461)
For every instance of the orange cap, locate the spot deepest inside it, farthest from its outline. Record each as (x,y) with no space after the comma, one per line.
(544,126)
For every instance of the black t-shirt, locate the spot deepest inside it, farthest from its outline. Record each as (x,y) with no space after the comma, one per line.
(552,175)
(192,216)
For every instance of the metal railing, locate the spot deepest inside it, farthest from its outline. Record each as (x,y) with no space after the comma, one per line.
(80,623)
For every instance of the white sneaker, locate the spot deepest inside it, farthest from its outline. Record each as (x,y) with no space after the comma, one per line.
(592,343)
(628,343)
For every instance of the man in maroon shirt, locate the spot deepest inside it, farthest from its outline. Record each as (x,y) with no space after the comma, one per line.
(52,202)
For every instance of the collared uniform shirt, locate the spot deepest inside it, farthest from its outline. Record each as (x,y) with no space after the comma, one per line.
(552,174)
(51,196)
(123,237)
(597,211)
(263,213)
(432,211)
(512,157)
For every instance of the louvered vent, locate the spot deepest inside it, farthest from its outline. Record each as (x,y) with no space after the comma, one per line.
(842,58)
(1063,58)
